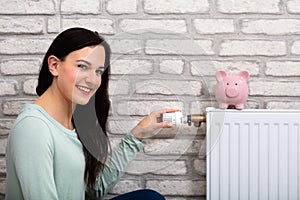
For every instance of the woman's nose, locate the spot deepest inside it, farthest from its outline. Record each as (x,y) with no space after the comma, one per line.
(92,77)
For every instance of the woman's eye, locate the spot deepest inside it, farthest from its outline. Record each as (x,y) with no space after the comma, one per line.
(83,67)
(99,72)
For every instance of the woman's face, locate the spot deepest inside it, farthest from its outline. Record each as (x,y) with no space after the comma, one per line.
(79,75)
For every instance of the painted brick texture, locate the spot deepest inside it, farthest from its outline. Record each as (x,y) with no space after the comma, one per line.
(164,54)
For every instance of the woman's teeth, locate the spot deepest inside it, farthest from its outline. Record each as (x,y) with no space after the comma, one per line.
(84,89)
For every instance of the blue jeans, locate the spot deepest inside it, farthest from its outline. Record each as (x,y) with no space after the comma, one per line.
(144,194)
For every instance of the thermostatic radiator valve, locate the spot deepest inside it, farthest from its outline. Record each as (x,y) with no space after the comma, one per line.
(176,118)
(196,119)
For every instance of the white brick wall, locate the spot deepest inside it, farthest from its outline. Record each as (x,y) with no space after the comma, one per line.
(249,6)
(165,54)
(176,7)
(80,7)
(46,7)
(271,26)
(122,7)
(154,26)
(253,48)
(214,26)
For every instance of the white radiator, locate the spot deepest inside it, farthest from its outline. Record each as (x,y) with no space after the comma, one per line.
(253,154)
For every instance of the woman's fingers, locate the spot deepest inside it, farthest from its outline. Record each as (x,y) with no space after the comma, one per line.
(166,124)
(170,110)
(167,110)
(158,113)
(152,122)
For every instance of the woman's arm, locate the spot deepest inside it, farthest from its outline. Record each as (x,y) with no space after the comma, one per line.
(115,166)
(126,151)
(30,161)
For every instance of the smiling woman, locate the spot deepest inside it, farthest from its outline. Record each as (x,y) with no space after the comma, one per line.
(58,145)
(79,74)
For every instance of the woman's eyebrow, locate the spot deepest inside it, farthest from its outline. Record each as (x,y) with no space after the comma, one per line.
(87,62)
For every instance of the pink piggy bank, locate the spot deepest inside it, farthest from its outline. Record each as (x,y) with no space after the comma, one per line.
(232,90)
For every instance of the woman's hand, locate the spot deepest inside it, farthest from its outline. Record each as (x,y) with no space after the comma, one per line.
(151,123)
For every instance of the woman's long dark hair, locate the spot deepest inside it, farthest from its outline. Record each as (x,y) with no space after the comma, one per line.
(66,42)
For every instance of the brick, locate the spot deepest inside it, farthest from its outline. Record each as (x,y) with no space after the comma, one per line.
(5,126)
(295,48)
(293,6)
(53,24)
(9,25)
(158,167)
(102,26)
(175,131)
(121,126)
(271,27)
(25,46)
(283,105)
(118,87)
(17,7)
(181,47)
(174,146)
(178,187)
(121,7)
(3,142)
(252,104)
(253,48)
(2,185)
(153,26)
(200,166)
(132,107)
(210,67)
(126,67)
(13,107)
(29,86)
(283,68)
(171,66)
(18,67)
(249,6)
(198,146)
(169,87)
(273,88)
(199,107)
(122,46)
(2,166)
(124,186)
(8,87)
(176,7)
(214,26)
(80,7)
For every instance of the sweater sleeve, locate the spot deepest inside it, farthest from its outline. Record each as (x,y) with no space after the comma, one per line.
(114,168)
(30,155)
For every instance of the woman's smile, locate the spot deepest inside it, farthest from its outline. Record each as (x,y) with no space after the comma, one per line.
(84,90)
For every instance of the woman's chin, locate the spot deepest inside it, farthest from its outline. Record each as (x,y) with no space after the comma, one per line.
(81,101)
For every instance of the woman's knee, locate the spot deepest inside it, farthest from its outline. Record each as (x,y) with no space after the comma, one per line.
(144,194)
(153,194)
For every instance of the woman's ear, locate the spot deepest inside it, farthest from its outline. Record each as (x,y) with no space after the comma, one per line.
(53,63)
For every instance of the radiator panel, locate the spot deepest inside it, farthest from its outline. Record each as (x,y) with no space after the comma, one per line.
(253,154)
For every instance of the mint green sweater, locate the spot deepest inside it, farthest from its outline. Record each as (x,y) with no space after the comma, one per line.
(45,161)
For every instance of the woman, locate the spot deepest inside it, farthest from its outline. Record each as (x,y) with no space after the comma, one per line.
(55,151)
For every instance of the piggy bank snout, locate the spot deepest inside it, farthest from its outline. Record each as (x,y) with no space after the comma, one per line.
(232,92)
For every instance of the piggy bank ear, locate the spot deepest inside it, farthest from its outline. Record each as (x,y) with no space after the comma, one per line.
(220,75)
(244,75)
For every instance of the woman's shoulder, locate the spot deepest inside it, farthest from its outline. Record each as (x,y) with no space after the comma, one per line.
(30,120)
(30,112)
